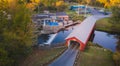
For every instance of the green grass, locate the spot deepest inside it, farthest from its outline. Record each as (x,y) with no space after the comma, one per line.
(69,12)
(103,24)
(74,16)
(42,57)
(94,56)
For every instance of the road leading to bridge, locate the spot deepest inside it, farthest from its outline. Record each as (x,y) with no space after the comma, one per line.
(67,58)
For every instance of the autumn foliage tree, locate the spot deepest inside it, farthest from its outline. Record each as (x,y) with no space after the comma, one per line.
(109,3)
(15,31)
(51,5)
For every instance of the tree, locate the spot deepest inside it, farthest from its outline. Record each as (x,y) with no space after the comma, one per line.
(115,14)
(109,3)
(116,58)
(15,31)
(51,5)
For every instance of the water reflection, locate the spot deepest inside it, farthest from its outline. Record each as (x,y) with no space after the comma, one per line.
(106,40)
(109,41)
(60,38)
(43,38)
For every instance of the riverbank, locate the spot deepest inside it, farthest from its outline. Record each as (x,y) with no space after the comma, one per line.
(94,56)
(42,57)
(104,24)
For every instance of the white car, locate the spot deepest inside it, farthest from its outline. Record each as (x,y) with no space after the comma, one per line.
(101,10)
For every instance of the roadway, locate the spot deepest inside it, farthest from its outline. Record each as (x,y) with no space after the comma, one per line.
(67,58)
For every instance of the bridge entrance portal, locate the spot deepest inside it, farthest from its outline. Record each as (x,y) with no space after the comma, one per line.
(74,44)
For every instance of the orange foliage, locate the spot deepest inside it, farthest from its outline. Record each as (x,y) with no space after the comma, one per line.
(9,1)
(33,4)
(59,3)
(30,6)
(35,1)
(109,3)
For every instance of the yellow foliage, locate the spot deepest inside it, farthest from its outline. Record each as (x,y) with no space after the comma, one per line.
(9,1)
(109,3)
(115,2)
(102,1)
(88,1)
(59,3)
(31,6)
(35,1)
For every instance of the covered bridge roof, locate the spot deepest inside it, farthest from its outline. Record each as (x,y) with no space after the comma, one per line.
(83,30)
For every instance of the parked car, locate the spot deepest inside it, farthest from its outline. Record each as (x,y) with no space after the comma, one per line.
(101,11)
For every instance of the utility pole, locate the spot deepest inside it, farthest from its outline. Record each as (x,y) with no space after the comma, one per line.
(38,9)
(78,9)
(85,10)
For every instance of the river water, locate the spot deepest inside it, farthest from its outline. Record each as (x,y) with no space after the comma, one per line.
(106,40)
(59,38)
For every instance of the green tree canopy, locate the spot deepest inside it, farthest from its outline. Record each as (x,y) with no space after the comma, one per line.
(15,32)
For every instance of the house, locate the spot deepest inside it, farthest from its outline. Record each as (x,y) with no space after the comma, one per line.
(75,7)
(43,19)
(81,9)
(62,16)
(47,21)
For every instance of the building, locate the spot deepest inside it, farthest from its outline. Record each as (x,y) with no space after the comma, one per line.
(47,21)
(62,16)
(82,33)
(75,7)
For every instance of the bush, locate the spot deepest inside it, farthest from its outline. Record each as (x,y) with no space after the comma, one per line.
(116,58)
(62,8)
(115,19)
(92,44)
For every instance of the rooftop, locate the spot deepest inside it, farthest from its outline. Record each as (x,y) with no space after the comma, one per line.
(43,15)
(61,14)
(83,30)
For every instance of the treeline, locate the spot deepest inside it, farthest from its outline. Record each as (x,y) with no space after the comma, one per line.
(115,20)
(51,5)
(87,2)
(16,31)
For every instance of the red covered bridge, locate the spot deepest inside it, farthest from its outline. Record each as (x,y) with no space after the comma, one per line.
(82,33)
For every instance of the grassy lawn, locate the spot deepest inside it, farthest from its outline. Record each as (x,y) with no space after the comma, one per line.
(94,56)
(39,56)
(103,24)
(70,12)
(74,16)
